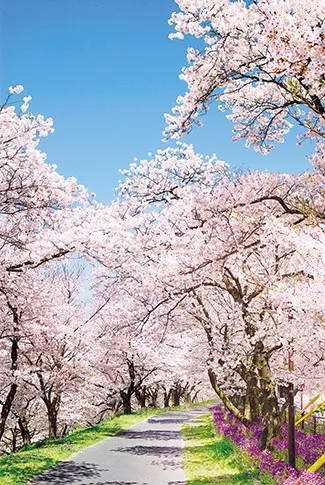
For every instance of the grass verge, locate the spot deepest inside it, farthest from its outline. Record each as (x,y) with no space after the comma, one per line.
(19,468)
(211,459)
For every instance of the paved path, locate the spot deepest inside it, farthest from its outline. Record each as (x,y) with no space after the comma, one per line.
(149,453)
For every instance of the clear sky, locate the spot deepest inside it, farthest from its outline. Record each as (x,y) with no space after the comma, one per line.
(105,71)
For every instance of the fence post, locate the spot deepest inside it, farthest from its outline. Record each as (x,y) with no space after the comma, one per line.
(291,428)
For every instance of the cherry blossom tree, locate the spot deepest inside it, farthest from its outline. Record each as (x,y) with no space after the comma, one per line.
(228,253)
(262,62)
(51,345)
(26,421)
(195,274)
(130,364)
(44,217)
(40,210)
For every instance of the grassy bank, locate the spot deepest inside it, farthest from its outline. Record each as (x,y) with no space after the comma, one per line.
(211,459)
(18,468)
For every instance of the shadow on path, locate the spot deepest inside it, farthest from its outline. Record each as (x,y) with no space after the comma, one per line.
(151,435)
(152,450)
(68,471)
(168,421)
(116,483)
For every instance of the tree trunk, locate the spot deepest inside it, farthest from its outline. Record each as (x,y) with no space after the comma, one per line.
(126,402)
(52,407)
(52,422)
(225,399)
(176,397)
(52,401)
(153,395)
(194,397)
(64,431)
(167,396)
(141,395)
(6,408)
(271,423)
(269,403)
(14,440)
(252,405)
(24,431)
(154,401)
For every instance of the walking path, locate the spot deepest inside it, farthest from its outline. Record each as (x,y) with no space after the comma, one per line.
(149,453)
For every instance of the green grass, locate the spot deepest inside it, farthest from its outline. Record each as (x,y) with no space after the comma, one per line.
(211,459)
(19,468)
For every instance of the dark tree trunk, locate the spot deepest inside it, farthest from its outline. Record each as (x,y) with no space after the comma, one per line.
(141,395)
(64,431)
(52,401)
(14,433)
(176,398)
(126,402)
(194,397)
(153,395)
(127,393)
(52,418)
(167,396)
(53,424)
(177,393)
(24,431)
(6,408)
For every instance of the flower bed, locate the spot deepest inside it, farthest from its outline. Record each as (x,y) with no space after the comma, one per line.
(309,448)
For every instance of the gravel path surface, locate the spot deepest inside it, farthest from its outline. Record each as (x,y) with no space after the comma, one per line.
(149,453)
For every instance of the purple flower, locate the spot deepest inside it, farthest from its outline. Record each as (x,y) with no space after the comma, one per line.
(308,447)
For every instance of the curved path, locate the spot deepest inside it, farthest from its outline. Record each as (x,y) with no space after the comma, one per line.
(149,453)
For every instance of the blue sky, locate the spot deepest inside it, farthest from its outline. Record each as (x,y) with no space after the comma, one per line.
(105,71)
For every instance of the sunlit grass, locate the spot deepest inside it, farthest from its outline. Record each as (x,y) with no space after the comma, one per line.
(19,468)
(211,459)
